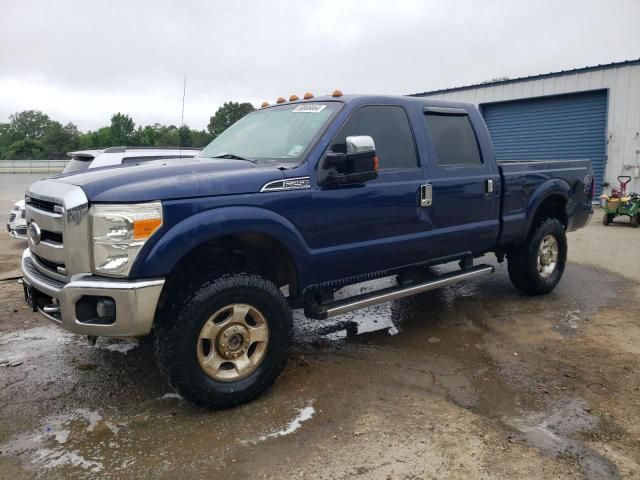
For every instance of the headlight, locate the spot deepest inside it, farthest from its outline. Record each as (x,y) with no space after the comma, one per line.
(119,232)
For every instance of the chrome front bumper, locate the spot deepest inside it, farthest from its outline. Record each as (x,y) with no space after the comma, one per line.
(135,301)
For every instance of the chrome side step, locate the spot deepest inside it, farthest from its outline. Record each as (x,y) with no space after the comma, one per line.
(338,307)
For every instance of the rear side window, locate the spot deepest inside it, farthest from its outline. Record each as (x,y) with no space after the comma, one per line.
(389,127)
(77,164)
(454,140)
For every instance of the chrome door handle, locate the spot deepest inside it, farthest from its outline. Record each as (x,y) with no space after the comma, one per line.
(489,186)
(426,195)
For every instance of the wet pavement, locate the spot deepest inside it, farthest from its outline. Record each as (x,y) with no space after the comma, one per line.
(473,381)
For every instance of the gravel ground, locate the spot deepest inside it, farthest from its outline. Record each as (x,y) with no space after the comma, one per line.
(471,382)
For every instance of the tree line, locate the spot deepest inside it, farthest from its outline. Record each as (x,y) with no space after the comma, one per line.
(32,134)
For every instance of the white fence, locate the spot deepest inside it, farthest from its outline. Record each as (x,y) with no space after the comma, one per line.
(32,166)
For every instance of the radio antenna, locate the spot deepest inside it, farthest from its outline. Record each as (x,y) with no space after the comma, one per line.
(184,94)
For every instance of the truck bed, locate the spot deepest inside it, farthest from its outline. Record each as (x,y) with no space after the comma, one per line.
(524,182)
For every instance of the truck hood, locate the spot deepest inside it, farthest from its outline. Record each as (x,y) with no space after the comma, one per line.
(172,179)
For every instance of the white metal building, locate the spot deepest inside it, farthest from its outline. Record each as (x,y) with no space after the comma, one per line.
(590,112)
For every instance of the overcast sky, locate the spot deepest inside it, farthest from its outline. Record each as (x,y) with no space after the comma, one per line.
(83,60)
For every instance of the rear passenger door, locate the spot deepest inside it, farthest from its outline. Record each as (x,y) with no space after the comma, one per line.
(465,203)
(377,224)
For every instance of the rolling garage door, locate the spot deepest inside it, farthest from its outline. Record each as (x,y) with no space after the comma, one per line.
(556,127)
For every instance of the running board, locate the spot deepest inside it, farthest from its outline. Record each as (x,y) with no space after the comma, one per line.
(338,307)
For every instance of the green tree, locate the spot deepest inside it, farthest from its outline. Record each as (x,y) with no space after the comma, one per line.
(228,114)
(58,139)
(184,134)
(122,129)
(95,139)
(25,149)
(200,138)
(167,136)
(30,124)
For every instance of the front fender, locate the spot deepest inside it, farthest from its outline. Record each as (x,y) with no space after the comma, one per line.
(159,258)
(555,186)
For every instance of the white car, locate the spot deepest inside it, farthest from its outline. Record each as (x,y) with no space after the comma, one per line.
(122,155)
(84,159)
(17,224)
(80,160)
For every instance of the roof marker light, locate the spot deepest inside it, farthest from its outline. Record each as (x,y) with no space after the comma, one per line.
(293,98)
(308,95)
(280,100)
(264,104)
(336,93)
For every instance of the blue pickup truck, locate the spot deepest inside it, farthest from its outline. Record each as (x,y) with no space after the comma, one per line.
(289,205)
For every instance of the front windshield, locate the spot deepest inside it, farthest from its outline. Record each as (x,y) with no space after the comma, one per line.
(280,133)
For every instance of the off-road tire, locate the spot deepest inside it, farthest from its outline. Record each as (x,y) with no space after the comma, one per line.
(178,328)
(522,261)
(607,219)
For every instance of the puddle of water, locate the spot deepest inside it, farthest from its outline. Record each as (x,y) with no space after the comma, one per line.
(47,448)
(553,433)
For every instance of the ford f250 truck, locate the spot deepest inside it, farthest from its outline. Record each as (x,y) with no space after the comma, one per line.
(283,209)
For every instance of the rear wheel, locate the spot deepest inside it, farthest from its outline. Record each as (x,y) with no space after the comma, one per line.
(607,219)
(537,265)
(635,220)
(226,342)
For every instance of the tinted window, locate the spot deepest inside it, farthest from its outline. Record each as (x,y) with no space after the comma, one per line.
(77,164)
(391,133)
(454,140)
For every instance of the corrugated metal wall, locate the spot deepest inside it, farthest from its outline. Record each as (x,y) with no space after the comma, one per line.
(555,127)
(623,117)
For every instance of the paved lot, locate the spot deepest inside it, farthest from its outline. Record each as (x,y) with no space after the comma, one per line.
(475,381)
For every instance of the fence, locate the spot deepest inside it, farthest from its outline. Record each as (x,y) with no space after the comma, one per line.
(32,166)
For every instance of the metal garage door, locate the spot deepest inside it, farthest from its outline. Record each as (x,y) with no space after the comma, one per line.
(555,127)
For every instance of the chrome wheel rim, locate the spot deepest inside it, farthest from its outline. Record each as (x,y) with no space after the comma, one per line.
(233,342)
(547,256)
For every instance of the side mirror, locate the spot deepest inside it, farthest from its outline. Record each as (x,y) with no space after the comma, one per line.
(358,165)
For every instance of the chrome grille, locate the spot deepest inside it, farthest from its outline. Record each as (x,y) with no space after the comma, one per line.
(40,204)
(60,212)
(28,264)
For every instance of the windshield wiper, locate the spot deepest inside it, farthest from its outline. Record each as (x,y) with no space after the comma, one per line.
(233,156)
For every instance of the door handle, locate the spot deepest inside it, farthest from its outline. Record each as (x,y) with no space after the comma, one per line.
(488,186)
(426,195)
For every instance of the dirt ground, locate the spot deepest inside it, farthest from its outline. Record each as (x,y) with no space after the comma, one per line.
(471,382)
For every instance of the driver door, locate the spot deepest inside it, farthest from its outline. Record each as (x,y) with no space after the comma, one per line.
(374,225)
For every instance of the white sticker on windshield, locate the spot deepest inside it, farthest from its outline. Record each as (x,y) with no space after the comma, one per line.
(296,150)
(309,108)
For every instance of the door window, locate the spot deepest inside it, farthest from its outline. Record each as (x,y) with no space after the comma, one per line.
(454,140)
(389,127)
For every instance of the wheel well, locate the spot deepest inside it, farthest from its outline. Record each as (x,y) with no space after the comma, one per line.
(554,206)
(248,252)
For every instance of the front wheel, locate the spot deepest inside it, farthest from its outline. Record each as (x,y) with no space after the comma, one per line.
(226,342)
(536,266)
(607,219)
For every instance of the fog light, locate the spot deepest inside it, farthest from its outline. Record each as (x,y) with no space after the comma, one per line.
(106,310)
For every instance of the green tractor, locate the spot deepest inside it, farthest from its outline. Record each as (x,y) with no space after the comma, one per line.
(620,203)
